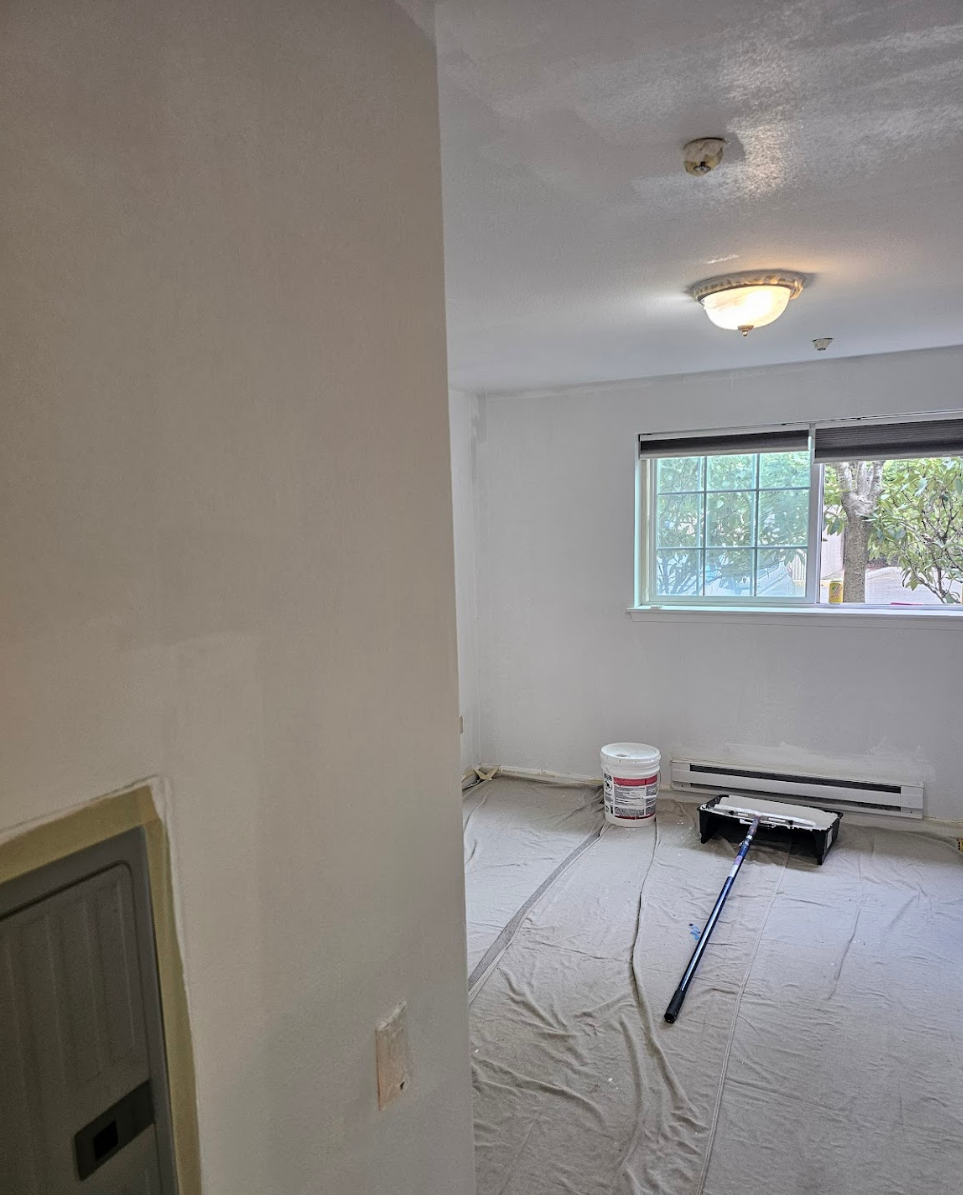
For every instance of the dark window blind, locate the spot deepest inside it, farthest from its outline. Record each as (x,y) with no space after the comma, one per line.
(725,443)
(888,441)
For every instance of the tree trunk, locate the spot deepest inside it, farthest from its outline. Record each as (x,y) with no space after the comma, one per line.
(855,553)
(860,484)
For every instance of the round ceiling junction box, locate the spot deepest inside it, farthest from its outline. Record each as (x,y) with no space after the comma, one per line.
(703,154)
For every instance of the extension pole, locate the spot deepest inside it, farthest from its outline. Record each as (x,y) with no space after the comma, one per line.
(675,1004)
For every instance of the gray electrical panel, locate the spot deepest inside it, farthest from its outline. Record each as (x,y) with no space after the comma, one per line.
(83,1084)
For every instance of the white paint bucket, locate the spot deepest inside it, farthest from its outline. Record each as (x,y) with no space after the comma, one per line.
(630,774)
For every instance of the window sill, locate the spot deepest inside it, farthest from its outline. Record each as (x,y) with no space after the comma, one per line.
(838,616)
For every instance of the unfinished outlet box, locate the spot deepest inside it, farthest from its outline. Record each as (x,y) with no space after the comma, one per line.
(391,1050)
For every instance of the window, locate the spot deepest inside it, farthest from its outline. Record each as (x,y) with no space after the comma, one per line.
(732,526)
(864,513)
(893,531)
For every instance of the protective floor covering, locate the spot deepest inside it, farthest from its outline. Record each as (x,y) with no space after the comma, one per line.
(820,1049)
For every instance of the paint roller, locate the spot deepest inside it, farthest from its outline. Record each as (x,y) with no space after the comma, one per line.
(771,821)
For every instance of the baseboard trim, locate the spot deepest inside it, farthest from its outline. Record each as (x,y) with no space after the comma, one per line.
(942,827)
(544,777)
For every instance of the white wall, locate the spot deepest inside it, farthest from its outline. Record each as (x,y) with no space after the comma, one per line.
(463,418)
(562,669)
(226,541)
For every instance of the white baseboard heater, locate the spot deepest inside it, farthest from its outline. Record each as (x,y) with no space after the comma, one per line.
(832,792)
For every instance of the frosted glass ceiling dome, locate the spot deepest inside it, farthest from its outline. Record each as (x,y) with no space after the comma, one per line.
(741,302)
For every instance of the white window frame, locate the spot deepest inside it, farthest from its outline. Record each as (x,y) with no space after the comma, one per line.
(806,605)
(645,594)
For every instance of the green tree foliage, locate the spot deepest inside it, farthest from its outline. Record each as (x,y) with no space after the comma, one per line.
(918,524)
(913,518)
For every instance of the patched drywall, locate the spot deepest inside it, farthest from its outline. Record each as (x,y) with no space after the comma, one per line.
(226,551)
(563,670)
(573,231)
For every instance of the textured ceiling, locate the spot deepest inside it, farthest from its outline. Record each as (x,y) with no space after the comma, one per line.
(572,230)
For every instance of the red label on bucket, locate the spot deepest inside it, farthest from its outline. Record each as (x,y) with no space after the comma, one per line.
(630,798)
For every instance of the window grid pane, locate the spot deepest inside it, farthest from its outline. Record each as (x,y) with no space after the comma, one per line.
(681,475)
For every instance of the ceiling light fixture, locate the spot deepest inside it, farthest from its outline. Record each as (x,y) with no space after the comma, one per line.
(741,302)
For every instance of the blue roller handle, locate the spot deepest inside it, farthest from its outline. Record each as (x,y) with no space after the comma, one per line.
(675,1004)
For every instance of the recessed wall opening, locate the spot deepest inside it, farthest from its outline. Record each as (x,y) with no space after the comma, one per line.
(98,1092)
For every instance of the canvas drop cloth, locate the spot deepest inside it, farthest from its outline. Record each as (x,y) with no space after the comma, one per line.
(820,1050)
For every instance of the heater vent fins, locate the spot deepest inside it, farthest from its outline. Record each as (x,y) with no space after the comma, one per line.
(796,778)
